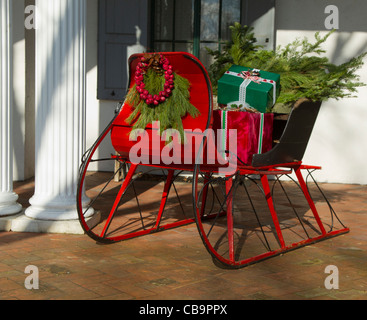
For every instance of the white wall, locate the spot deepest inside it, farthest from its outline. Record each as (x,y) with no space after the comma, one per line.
(99,112)
(339,141)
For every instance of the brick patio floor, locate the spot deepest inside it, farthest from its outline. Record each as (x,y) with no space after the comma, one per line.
(174,265)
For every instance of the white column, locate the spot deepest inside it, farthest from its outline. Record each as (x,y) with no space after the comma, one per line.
(8,199)
(60,108)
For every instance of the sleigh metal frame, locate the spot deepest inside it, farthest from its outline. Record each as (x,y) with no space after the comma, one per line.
(231,221)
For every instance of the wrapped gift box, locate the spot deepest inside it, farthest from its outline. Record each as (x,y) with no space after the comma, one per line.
(254,132)
(240,85)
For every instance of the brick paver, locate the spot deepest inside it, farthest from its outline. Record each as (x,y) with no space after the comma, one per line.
(174,265)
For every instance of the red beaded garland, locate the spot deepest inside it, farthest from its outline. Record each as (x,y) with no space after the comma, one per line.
(150,99)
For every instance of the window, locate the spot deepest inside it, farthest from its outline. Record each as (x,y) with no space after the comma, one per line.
(173,25)
(193,25)
(170,25)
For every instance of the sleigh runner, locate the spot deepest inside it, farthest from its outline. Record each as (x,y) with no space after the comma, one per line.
(235,205)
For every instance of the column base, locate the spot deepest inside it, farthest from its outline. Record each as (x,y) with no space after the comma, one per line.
(22,223)
(9,205)
(50,215)
(60,208)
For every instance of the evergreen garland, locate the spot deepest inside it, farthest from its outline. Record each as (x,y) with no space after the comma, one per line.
(304,72)
(170,112)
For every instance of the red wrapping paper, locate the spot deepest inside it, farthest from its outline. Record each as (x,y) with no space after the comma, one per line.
(248,126)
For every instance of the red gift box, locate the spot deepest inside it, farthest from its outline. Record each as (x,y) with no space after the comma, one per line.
(254,132)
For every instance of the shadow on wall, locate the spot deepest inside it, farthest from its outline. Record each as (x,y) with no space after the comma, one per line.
(347,46)
(23,98)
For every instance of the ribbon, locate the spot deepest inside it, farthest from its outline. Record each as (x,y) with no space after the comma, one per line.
(261,133)
(224,134)
(247,75)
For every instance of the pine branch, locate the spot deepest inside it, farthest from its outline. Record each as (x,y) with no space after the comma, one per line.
(304,71)
(168,113)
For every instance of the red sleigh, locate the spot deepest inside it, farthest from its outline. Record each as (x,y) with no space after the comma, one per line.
(244,213)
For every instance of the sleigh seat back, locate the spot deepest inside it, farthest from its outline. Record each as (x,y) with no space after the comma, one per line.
(189,67)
